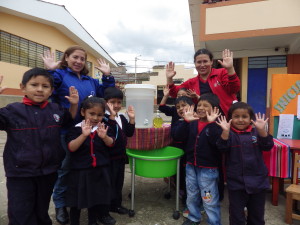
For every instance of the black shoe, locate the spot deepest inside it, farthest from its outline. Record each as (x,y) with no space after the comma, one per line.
(107,220)
(121,210)
(62,215)
(94,223)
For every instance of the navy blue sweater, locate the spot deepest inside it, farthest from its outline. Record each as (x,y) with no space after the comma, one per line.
(245,168)
(33,146)
(200,149)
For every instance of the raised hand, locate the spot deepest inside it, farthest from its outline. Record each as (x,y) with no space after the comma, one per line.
(130,112)
(102,130)
(227,61)
(111,110)
(73,95)
(260,122)
(103,66)
(192,94)
(49,60)
(189,114)
(86,127)
(222,122)
(1,88)
(170,70)
(213,115)
(166,90)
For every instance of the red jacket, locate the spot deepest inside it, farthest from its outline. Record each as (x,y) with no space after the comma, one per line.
(221,84)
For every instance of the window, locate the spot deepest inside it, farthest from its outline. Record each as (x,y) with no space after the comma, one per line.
(267,62)
(20,51)
(58,55)
(89,65)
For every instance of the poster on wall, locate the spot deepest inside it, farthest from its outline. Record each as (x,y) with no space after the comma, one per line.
(285,126)
(285,91)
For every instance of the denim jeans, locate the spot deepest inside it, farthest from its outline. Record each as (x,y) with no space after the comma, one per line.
(60,187)
(202,183)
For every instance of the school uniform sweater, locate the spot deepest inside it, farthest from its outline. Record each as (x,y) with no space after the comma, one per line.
(125,130)
(33,145)
(245,168)
(200,148)
(93,152)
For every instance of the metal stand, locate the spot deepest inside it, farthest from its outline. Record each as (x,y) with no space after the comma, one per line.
(176,213)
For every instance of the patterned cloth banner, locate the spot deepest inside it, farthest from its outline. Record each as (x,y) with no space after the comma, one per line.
(278,160)
(150,138)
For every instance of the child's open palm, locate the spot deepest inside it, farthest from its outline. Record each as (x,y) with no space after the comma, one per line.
(213,114)
(260,121)
(166,90)
(111,110)
(189,114)
(222,122)
(130,112)
(86,127)
(102,130)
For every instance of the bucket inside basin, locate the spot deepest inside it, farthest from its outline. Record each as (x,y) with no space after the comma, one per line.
(157,163)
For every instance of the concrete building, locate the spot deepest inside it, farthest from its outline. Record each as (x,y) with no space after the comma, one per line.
(263,34)
(29,27)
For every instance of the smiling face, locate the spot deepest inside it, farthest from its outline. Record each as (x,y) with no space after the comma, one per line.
(181,107)
(76,61)
(203,65)
(241,119)
(95,114)
(38,89)
(117,104)
(203,106)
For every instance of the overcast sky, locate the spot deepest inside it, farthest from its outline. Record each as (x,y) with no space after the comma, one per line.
(158,30)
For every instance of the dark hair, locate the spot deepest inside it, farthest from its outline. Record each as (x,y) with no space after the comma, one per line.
(203,51)
(90,102)
(113,92)
(241,105)
(211,98)
(182,89)
(67,53)
(185,99)
(34,72)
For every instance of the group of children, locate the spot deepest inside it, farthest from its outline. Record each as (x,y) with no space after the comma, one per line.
(206,135)
(33,152)
(97,146)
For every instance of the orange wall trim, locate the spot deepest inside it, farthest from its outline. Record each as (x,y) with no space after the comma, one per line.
(241,34)
(251,33)
(13,91)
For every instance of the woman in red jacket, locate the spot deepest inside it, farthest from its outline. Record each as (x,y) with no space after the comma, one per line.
(222,82)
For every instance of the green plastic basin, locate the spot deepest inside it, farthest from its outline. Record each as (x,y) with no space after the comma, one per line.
(157,163)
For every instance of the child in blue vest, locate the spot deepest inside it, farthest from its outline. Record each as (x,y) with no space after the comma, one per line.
(200,133)
(33,152)
(89,182)
(243,139)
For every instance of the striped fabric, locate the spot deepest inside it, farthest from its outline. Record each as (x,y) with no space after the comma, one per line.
(150,138)
(278,160)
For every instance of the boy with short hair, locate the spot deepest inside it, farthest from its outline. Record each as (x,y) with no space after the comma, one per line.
(33,152)
(118,156)
(200,132)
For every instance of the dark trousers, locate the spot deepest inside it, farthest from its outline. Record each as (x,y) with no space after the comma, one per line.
(117,170)
(93,213)
(29,198)
(255,204)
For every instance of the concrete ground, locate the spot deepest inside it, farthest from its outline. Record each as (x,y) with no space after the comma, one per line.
(151,208)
